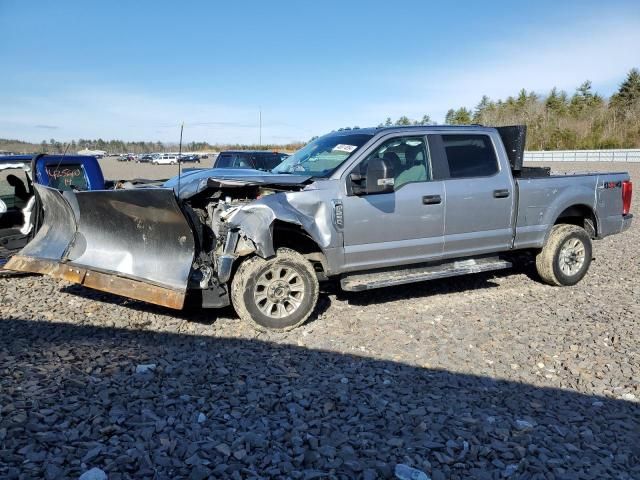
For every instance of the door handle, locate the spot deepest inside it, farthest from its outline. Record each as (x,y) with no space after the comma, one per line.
(431,200)
(503,193)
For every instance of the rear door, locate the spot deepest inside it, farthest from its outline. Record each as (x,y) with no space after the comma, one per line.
(479,195)
(400,227)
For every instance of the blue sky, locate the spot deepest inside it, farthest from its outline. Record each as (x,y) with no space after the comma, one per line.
(136,69)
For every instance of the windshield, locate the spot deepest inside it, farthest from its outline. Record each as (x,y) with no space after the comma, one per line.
(322,156)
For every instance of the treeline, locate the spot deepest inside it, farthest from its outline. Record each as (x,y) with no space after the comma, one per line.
(119,146)
(557,121)
(404,121)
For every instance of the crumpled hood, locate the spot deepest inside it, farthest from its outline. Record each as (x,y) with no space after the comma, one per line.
(195,181)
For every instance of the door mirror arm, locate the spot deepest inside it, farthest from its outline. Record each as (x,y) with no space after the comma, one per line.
(357,184)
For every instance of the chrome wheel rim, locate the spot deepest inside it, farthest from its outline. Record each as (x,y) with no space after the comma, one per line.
(572,256)
(279,291)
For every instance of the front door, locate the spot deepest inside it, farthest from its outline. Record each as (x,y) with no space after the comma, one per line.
(399,227)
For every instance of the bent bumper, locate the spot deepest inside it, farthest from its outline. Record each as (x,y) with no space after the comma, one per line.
(626,222)
(103,281)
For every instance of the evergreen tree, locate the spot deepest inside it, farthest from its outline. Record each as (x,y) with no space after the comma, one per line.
(629,92)
(448,118)
(462,116)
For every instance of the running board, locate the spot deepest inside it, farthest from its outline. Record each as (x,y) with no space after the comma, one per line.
(357,282)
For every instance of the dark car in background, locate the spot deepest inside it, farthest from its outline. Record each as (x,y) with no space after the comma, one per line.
(256,159)
(189,158)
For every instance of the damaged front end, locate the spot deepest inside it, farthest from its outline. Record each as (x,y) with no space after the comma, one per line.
(159,245)
(236,217)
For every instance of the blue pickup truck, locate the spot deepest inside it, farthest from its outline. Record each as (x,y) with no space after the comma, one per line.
(19,213)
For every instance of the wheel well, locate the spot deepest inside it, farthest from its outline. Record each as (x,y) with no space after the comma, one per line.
(580,215)
(294,237)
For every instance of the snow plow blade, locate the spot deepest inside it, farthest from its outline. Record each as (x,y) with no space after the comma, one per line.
(134,243)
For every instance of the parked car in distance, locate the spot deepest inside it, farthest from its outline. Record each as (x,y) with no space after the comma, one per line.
(263,160)
(125,157)
(189,158)
(166,159)
(144,158)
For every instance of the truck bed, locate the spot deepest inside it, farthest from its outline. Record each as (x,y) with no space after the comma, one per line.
(541,200)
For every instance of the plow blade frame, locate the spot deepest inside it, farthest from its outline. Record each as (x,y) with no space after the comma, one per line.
(134,243)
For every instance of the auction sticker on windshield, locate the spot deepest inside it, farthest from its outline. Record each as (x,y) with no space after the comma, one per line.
(344,148)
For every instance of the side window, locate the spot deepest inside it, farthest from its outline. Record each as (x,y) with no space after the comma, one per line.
(14,188)
(243,161)
(470,156)
(407,157)
(224,160)
(269,161)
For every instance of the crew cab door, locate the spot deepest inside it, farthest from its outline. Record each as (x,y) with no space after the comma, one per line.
(402,225)
(479,193)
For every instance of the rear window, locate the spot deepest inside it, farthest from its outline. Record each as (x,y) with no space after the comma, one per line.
(66,176)
(470,156)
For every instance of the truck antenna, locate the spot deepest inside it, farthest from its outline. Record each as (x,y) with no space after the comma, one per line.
(180,158)
(63,155)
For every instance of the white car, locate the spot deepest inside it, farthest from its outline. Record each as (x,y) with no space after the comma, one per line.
(166,159)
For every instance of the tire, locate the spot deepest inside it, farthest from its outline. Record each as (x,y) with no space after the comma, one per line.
(276,294)
(566,256)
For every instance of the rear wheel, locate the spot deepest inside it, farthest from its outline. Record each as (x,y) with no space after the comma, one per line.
(275,294)
(565,258)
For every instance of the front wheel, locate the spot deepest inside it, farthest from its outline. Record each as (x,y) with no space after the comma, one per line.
(275,294)
(566,256)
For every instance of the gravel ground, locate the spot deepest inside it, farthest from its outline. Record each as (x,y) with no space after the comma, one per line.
(484,376)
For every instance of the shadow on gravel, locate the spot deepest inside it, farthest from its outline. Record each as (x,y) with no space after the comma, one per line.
(192,313)
(228,408)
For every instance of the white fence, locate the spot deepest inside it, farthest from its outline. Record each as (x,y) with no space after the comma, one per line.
(619,155)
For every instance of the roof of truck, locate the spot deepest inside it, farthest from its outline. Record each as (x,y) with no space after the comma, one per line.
(396,128)
(251,151)
(15,158)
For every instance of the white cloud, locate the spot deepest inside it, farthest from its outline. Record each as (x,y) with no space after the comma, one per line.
(602,54)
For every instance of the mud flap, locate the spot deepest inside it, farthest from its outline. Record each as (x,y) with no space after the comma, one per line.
(135,243)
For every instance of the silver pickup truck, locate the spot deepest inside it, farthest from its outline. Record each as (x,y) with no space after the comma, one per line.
(370,207)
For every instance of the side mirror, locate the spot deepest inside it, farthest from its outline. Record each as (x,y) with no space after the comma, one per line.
(379,177)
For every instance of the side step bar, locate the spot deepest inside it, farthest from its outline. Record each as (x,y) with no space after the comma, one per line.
(357,282)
